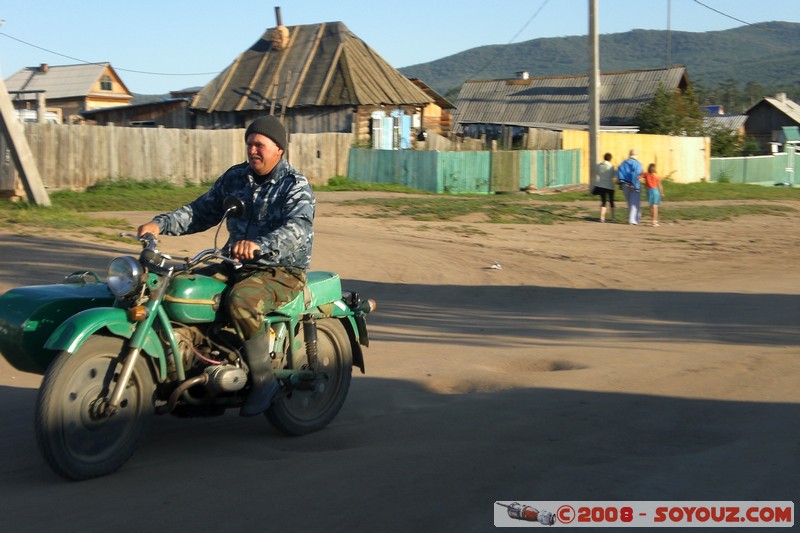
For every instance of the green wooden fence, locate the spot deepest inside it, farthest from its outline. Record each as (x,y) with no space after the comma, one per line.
(757,170)
(466,172)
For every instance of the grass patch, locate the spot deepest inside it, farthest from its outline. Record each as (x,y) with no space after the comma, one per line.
(720,212)
(56,217)
(466,231)
(341,183)
(705,191)
(534,211)
(577,205)
(128,195)
(491,209)
(696,192)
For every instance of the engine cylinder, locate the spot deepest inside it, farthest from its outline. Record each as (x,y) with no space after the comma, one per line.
(226,378)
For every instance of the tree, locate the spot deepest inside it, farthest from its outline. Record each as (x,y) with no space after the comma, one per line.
(671,113)
(725,142)
(731,97)
(677,113)
(753,93)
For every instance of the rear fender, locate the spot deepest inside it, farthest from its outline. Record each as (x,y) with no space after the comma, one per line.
(74,331)
(352,332)
(356,327)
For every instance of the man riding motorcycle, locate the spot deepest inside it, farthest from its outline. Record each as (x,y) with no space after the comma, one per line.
(273,239)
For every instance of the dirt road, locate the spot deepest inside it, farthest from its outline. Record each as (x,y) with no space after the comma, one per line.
(599,362)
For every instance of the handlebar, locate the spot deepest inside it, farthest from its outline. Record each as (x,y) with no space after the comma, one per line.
(234,207)
(151,254)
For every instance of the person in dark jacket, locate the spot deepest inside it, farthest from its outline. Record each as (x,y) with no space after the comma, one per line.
(273,239)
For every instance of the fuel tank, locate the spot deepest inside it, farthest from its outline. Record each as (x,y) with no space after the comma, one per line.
(194,299)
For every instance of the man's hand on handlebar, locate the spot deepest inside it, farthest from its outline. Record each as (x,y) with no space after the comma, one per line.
(243,250)
(150,227)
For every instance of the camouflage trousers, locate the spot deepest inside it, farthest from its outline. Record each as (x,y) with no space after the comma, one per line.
(254,292)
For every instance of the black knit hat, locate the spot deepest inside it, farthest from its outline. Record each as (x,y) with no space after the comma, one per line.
(269,126)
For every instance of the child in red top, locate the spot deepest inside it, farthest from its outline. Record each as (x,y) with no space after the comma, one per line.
(655,193)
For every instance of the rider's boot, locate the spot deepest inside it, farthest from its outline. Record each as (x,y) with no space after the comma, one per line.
(263,384)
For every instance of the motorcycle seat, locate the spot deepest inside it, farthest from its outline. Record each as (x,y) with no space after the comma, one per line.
(321,288)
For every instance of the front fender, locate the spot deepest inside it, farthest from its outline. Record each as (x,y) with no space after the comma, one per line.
(76,329)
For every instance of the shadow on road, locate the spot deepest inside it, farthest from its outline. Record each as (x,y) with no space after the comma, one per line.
(540,315)
(441,459)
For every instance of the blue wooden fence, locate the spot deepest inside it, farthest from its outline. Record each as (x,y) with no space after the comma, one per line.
(466,172)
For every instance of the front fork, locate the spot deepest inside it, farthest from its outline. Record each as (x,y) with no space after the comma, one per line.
(158,285)
(111,404)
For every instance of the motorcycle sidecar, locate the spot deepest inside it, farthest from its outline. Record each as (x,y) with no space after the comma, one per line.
(29,315)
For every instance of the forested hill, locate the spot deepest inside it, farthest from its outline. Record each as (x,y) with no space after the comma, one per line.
(766,54)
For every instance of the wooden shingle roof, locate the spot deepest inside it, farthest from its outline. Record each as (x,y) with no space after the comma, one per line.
(562,100)
(321,65)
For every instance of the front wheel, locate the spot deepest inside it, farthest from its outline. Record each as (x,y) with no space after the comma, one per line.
(305,411)
(76,440)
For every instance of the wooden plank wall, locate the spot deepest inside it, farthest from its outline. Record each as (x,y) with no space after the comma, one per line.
(320,156)
(78,156)
(539,139)
(681,159)
(766,170)
(440,143)
(482,172)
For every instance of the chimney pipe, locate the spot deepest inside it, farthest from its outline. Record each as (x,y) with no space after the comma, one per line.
(280,33)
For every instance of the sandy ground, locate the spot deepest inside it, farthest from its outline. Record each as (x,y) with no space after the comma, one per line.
(600,362)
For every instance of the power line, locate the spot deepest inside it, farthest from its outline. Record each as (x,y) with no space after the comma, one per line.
(96,62)
(500,51)
(529,21)
(721,13)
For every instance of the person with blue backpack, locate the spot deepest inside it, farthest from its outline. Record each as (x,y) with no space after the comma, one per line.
(628,175)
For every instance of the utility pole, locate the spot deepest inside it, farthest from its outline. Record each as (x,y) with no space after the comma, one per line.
(594,90)
(669,30)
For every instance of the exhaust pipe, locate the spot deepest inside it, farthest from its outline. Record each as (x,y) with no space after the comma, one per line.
(167,408)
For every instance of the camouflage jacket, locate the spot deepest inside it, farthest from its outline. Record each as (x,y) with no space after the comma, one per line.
(278,214)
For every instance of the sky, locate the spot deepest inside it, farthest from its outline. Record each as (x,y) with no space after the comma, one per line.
(157,47)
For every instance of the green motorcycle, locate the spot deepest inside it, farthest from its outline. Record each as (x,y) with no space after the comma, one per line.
(155,339)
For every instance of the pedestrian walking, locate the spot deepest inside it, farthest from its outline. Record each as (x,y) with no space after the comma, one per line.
(628,175)
(604,186)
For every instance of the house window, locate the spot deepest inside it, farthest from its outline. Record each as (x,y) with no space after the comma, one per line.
(105,83)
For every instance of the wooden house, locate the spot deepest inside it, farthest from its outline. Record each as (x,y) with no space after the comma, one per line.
(438,115)
(715,118)
(767,118)
(69,89)
(509,108)
(316,77)
(166,113)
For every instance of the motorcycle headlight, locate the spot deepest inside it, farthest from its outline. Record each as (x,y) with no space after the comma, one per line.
(124,275)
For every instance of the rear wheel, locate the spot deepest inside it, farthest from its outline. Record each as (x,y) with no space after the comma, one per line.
(75,439)
(305,411)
